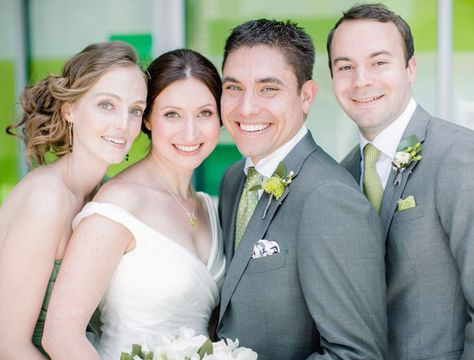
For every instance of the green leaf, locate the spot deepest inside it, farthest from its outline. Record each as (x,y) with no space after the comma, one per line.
(280,170)
(410,141)
(137,350)
(125,356)
(255,187)
(149,356)
(206,348)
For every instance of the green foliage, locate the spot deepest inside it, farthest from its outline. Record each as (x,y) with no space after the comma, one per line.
(137,351)
(206,348)
(280,170)
(408,142)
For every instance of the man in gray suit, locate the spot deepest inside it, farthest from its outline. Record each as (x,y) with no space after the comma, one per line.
(305,276)
(418,170)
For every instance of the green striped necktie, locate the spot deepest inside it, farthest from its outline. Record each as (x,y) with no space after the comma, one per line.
(371,183)
(247,204)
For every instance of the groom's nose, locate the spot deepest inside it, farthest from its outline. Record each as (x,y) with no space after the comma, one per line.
(248,104)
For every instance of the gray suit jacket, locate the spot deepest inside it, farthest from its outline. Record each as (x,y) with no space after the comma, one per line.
(430,248)
(323,295)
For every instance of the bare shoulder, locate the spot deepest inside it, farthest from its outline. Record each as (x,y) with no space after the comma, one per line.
(39,212)
(40,191)
(123,191)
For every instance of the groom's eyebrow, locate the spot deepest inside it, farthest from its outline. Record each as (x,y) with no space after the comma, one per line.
(270,80)
(229,79)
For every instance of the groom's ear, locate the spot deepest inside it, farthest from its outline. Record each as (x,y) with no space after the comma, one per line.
(308,94)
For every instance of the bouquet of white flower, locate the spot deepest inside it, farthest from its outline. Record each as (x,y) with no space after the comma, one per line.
(188,346)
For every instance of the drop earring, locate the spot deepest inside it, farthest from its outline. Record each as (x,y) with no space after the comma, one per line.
(69,124)
(126,157)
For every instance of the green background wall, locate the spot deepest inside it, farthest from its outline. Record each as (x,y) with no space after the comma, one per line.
(60,28)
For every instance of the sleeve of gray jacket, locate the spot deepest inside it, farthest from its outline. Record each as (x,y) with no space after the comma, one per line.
(340,249)
(455,205)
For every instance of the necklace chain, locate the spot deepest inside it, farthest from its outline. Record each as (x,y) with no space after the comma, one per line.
(192,219)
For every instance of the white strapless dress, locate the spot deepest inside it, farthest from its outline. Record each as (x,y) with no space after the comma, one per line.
(158,287)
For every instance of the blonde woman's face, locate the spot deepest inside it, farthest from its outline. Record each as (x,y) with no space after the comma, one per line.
(107,118)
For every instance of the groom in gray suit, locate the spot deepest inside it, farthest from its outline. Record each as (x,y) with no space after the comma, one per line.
(304,248)
(418,172)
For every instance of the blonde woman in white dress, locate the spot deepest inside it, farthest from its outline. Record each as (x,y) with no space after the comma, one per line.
(147,250)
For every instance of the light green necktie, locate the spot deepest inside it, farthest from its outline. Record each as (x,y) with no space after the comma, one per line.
(247,204)
(371,183)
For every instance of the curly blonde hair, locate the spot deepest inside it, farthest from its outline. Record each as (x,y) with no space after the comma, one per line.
(43,126)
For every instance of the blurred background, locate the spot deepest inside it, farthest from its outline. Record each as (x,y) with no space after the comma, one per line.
(38,36)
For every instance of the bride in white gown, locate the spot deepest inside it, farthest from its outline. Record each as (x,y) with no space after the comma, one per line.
(147,251)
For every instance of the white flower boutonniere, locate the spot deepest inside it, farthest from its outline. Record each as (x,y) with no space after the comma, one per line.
(408,152)
(275,185)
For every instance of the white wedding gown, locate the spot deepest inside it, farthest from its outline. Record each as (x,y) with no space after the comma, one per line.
(157,287)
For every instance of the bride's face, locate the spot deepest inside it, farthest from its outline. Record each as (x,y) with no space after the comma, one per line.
(184,124)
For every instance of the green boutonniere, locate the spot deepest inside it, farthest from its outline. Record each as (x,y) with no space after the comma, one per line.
(408,152)
(275,185)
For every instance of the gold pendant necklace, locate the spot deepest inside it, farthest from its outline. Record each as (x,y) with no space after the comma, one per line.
(192,219)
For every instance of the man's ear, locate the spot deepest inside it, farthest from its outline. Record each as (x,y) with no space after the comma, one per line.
(411,68)
(308,94)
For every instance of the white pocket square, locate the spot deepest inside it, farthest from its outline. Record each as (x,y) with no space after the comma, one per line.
(264,248)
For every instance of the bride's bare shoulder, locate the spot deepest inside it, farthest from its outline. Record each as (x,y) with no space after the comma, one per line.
(126,189)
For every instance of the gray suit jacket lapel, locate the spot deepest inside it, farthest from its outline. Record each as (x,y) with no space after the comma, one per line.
(352,163)
(417,126)
(258,225)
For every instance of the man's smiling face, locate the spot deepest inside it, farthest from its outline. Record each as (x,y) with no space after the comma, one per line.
(370,78)
(261,105)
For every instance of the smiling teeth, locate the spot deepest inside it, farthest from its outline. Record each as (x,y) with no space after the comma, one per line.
(368,99)
(114,140)
(253,127)
(187,148)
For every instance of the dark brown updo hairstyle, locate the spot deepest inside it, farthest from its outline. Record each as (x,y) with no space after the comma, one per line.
(43,127)
(176,65)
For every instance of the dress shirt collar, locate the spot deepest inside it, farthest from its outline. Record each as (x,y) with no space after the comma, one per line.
(387,141)
(268,165)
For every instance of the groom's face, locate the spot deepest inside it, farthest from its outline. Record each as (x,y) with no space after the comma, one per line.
(262,107)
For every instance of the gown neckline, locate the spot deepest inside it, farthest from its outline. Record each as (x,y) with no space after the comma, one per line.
(210,259)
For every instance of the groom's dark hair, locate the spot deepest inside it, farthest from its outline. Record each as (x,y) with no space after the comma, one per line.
(286,36)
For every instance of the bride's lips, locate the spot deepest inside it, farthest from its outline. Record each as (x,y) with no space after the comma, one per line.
(188,149)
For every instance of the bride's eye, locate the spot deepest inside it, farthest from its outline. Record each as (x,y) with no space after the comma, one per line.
(205,113)
(171,114)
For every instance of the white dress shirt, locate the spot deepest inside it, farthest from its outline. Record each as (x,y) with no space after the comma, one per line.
(387,142)
(268,165)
